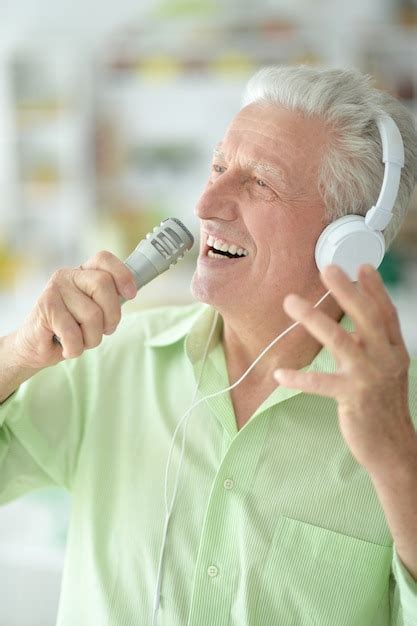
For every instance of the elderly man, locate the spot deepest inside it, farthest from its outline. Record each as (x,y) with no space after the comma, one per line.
(297,496)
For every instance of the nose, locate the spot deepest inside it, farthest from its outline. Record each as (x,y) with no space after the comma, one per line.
(219,199)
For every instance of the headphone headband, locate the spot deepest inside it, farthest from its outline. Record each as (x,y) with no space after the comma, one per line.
(392,143)
(379,216)
(353,240)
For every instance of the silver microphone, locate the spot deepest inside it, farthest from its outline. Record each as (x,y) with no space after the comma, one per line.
(161,249)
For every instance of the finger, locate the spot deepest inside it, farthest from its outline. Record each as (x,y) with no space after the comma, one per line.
(361,308)
(100,287)
(65,327)
(372,283)
(330,385)
(326,330)
(87,313)
(122,276)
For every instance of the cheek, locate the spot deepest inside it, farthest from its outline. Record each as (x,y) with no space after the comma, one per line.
(282,242)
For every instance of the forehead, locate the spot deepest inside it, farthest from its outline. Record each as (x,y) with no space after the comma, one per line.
(269,133)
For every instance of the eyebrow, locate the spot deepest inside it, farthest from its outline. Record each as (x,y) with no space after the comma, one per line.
(258,166)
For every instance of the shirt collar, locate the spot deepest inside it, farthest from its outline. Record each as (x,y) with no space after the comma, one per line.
(196,324)
(195,328)
(178,328)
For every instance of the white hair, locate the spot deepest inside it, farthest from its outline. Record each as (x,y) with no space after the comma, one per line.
(351,171)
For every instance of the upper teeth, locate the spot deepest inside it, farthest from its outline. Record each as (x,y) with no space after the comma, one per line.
(219,244)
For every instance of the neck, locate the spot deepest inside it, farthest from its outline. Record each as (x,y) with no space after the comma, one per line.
(244,338)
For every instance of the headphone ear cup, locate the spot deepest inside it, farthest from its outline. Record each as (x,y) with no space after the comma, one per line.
(349,243)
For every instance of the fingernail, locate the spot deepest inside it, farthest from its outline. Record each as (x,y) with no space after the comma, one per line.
(129,291)
(111,330)
(294,300)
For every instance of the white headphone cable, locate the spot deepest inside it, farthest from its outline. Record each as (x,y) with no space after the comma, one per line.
(168,510)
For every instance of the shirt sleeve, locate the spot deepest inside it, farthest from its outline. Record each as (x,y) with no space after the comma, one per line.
(41,428)
(44,423)
(404,596)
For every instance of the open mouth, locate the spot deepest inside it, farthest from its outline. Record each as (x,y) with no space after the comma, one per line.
(213,254)
(219,249)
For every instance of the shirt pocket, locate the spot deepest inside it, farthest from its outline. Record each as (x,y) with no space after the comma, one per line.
(318,577)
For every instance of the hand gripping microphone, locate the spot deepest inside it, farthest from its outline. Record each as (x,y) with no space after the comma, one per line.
(161,249)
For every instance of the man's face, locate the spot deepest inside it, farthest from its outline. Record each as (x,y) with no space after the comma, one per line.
(262,196)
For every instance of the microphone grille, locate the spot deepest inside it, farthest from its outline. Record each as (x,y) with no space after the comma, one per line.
(184,228)
(166,244)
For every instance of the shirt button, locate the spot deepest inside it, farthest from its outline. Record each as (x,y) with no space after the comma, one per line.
(228,484)
(212,571)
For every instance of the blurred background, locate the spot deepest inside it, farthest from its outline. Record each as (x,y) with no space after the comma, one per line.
(109,113)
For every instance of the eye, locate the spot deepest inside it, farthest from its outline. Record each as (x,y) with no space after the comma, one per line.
(219,169)
(267,190)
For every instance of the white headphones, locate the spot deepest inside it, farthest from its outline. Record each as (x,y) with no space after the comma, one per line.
(353,240)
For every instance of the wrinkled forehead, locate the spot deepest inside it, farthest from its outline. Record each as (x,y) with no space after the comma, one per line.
(271,134)
(277,124)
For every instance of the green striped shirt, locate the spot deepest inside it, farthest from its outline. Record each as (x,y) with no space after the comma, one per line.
(274,524)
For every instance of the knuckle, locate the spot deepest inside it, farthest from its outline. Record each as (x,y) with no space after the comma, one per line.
(55,276)
(71,331)
(369,312)
(67,331)
(48,297)
(378,324)
(374,313)
(404,362)
(94,315)
(338,336)
(310,315)
(71,338)
(104,280)
(392,313)
(59,275)
(362,386)
(104,257)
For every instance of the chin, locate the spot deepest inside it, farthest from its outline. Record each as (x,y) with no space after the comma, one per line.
(206,291)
